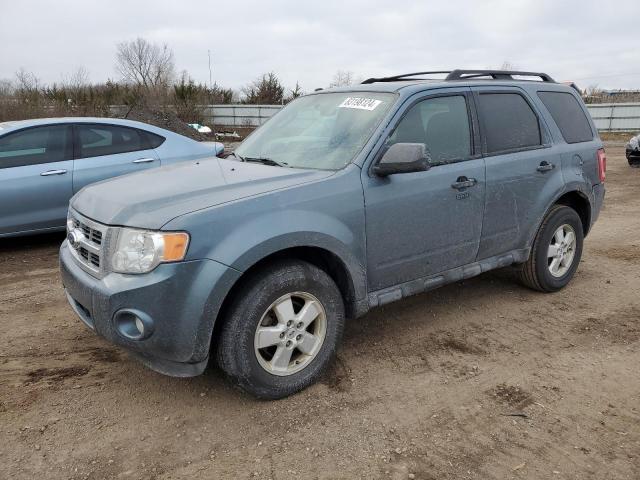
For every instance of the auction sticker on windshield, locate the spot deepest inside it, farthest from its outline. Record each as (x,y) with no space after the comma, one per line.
(360,103)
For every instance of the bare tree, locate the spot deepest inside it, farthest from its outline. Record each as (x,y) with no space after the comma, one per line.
(7,88)
(145,64)
(27,81)
(77,79)
(342,78)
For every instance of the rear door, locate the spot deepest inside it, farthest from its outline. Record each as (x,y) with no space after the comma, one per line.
(35,178)
(422,223)
(523,168)
(103,151)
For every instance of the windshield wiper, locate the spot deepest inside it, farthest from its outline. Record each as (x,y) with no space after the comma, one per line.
(237,156)
(265,161)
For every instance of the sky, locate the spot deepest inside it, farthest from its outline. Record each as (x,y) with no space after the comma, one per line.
(589,42)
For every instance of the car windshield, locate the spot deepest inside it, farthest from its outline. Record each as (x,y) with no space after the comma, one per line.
(322,131)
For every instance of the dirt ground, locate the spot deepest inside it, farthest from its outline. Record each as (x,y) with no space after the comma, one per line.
(483,379)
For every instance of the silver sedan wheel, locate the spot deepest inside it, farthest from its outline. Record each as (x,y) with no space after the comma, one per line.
(290,333)
(562,250)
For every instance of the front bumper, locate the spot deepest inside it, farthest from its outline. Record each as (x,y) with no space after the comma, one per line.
(181,299)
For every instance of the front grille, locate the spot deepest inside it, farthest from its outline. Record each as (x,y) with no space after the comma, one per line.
(86,242)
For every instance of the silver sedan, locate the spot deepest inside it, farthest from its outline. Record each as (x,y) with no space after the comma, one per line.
(44,162)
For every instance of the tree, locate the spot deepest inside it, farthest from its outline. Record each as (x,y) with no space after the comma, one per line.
(144,64)
(295,93)
(76,80)
(265,90)
(7,88)
(342,78)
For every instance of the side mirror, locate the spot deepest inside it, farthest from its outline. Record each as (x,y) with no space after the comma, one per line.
(403,158)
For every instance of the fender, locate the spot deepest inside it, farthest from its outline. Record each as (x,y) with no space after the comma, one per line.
(570,187)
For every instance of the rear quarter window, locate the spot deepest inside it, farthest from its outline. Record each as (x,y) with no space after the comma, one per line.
(153,140)
(568,115)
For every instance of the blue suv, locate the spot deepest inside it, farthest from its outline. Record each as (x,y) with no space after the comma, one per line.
(346,200)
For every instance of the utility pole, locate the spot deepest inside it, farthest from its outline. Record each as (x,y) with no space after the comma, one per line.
(210,76)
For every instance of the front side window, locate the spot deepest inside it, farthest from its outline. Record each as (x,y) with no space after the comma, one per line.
(36,145)
(568,115)
(323,131)
(98,140)
(508,122)
(441,124)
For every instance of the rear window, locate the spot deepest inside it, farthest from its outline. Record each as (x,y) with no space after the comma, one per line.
(508,122)
(568,115)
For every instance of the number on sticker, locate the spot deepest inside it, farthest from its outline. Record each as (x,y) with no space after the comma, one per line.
(360,103)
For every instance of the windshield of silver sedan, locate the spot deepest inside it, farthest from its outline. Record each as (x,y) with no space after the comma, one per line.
(322,131)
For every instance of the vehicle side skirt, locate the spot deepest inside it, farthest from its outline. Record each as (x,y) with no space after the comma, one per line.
(420,285)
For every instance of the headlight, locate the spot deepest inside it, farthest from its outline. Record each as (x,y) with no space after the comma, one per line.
(140,251)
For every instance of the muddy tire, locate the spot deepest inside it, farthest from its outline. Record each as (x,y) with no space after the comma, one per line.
(556,251)
(282,330)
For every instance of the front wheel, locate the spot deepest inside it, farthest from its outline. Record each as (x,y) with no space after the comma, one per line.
(282,329)
(556,251)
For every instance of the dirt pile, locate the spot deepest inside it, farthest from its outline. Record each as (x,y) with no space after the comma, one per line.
(164,118)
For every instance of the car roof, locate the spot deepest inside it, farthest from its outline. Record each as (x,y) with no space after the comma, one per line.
(13,125)
(413,86)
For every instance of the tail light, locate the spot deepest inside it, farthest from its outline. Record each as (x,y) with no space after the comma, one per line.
(602,164)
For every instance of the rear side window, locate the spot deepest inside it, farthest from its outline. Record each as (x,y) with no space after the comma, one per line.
(98,140)
(508,122)
(568,115)
(34,146)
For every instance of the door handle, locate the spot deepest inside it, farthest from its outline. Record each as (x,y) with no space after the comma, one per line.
(53,172)
(545,166)
(464,182)
(144,160)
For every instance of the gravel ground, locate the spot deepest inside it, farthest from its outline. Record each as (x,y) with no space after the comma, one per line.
(482,379)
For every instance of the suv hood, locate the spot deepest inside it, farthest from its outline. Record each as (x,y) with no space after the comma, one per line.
(151,198)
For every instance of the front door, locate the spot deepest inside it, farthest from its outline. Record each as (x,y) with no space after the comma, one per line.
(104,151)
(36,168)
(419,224)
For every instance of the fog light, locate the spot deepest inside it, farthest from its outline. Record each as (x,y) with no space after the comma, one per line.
(133,324)
(140,326)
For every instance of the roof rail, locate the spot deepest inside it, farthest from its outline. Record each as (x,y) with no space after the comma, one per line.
(404,76)
(464,75)
(496,75)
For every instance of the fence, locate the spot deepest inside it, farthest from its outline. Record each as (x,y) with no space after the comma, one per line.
(608,117)
(615,117)
(239,115)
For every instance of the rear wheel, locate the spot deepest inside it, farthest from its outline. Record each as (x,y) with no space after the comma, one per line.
(282,330)
(556,251)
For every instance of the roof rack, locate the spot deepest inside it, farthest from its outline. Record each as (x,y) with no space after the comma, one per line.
(403,77)
(465,75)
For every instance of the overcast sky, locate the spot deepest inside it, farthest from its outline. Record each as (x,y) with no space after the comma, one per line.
(588,41)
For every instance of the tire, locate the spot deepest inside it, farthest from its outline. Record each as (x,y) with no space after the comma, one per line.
(262,303)
(536,272)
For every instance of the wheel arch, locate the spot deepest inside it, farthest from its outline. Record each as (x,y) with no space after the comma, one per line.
(333,264)
(580,203)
